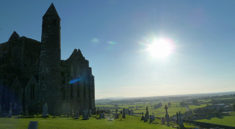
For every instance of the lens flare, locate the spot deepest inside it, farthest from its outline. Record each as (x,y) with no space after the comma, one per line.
(74,80)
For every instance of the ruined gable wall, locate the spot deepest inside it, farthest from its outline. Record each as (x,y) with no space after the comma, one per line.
(19,59)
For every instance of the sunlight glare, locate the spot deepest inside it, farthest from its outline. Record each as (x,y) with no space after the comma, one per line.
(160,48)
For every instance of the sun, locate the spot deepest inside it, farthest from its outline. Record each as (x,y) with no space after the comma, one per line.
(160,48)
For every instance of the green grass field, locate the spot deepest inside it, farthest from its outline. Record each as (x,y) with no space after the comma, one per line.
(130,122)
(226,120)
(160,112)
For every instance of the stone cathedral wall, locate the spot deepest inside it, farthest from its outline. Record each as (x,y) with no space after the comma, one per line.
(32,74)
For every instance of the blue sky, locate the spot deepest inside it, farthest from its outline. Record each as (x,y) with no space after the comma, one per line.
(111,35)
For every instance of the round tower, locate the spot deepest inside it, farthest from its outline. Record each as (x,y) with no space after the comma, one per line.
(51,34)
(49,67)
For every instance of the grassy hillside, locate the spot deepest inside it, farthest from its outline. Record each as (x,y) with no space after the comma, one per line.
(226,120)
(69,123)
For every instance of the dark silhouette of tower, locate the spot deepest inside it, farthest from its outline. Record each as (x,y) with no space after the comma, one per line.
(49,68)
(51,35)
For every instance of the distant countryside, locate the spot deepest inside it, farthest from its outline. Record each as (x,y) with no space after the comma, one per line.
(218,110)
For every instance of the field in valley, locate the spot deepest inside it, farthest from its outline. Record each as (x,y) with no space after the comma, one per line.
(176,105)
(226,120)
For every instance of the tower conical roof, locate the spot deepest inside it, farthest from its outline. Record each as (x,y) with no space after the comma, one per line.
(14,36)
(51,11)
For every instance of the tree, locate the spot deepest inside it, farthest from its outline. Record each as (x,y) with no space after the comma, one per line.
(195,102)
(234,107)
(182,104)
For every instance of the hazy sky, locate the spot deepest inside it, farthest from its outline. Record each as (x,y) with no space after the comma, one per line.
(112,35)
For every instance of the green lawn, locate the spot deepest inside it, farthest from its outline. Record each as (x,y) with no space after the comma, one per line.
(68,123)
(226,120)
(197,106)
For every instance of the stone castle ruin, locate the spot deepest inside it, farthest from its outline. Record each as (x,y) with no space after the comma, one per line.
(32,74)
